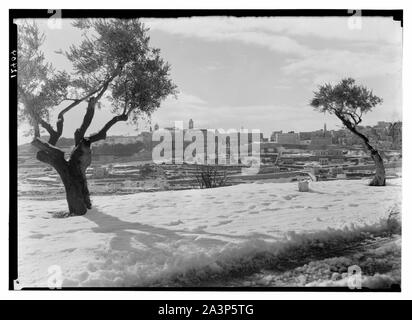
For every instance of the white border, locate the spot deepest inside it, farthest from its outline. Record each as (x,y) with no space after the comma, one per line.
(210,4)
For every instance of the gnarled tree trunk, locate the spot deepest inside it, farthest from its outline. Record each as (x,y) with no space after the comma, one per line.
(77,193)
(380,177)
(72,172)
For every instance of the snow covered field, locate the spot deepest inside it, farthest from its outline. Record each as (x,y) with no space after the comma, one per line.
(173,237)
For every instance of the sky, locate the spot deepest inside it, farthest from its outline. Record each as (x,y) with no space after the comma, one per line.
(255,73)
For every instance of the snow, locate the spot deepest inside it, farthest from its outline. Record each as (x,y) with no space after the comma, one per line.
(379,255)
(149,238)
(42,179)
(386,256)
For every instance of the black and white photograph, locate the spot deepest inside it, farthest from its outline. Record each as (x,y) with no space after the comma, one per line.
(256,150)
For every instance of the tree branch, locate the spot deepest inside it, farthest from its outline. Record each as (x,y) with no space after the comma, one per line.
(60,117)
(101,135)
(353,129)
(88,117)
(125,108)
(355,117)
(76,102)
(37,119)
(103,90)
(48,151)
(53,134)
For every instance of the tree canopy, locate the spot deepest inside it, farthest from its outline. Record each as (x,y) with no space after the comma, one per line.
(114,59)
(40,87)
(347,100)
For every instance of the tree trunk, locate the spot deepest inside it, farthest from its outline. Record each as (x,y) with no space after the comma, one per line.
(73,175)
(380,176)
(77,193)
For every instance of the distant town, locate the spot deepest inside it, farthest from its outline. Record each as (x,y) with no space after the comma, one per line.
(123,164)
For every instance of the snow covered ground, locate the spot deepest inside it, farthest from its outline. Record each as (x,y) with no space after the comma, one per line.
(176,237)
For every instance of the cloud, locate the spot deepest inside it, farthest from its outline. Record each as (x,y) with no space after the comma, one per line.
(186,98)
(327,65)
(282,86)
(316,46)
(227,29)
(280,33)
(309,51)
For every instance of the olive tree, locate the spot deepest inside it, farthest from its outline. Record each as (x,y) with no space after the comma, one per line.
(349,102)
(114,61)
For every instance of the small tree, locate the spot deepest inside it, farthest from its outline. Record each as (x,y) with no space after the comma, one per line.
(210,176)
(349,102)
(114,59)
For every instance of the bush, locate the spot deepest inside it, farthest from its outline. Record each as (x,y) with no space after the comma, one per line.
(211,176)
(394,220)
